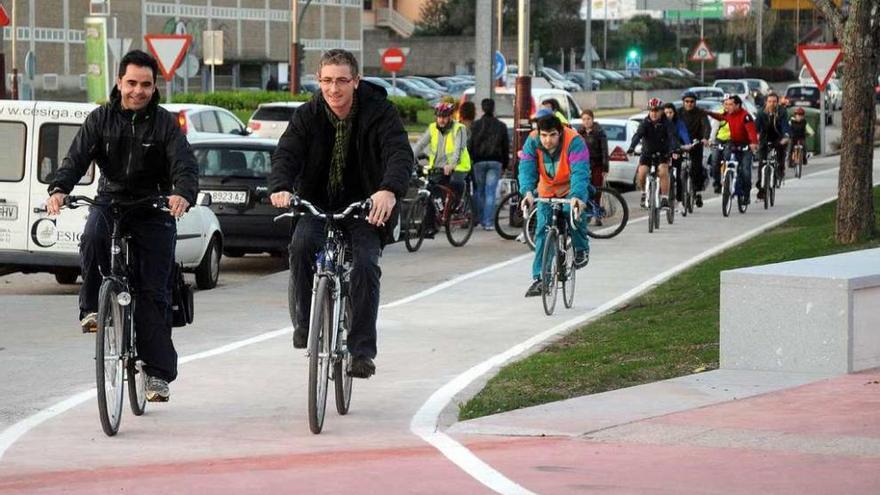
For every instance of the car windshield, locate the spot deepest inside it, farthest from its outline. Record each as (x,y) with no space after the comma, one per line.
(802,92)
(754,84)
(615,132)
(708,93)
(553,74)
(278,114)
(227,162)
(730,87)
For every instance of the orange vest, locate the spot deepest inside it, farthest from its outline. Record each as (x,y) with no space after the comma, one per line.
(559,185)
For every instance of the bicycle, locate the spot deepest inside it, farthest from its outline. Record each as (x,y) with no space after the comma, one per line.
(688,194)
(458,219)
(768,178)
(116,359)
(797,158)
(509,215)
(730,183)
(652,193)
(557,263)
(605,204)
(330,313)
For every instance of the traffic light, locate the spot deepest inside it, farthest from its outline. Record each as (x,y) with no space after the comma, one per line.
(633,54)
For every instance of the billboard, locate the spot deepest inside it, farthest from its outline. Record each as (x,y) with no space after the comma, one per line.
(97,66)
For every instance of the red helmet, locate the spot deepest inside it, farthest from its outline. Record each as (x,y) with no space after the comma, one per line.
(443,109)
(655,104)
(799,111)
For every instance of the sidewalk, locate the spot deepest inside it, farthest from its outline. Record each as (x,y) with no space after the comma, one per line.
(821,437)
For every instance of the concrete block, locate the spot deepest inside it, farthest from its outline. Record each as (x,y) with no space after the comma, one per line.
(818,315)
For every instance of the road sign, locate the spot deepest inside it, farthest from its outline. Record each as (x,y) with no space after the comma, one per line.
(119,47)
(821,60)
(702,53)
(633,64)
(499,65)
(4,17)
(212,47)
(393,59)
(169,50)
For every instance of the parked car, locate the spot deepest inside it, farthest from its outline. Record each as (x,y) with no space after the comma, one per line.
(37,135)
(621,168)
(579,79)
(610,74)
(447,80)
(505,97)
(391,90)
(807,95)
(734,87)
(270,119)
(234,170)
(804,77)
(415,90)
(706,92)
(430,83)
(758,89)
(835,94)
(557,80)
(457,88)
(198,121)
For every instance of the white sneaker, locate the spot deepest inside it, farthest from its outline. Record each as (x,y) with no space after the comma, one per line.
(89,324)
(157,389)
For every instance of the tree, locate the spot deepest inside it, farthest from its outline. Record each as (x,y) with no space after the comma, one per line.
(858,31)
(434,18)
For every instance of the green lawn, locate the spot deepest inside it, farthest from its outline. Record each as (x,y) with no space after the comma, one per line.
(670,331)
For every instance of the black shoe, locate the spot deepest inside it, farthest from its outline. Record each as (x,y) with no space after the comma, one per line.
(581,259)
(362,367)
(534,289)
(300,338)
(717,188)
(760,194)
(698,200)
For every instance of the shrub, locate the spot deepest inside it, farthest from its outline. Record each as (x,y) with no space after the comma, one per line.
(238,100)
(409,107)
(769,74)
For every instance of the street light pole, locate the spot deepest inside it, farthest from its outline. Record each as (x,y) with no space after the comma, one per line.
(523,102)
(605,38)
(294,47)
(588,48)
(14,66)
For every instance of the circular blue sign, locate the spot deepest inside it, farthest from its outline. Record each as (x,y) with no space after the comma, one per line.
(499,65)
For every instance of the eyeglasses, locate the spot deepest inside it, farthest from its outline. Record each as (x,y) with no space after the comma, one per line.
(339,81)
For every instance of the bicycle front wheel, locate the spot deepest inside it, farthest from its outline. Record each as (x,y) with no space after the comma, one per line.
(109,368)
(611,211)
(319,354)
(509,216)
(652,207)
(530,226)
(137,393)
(460,221)
(725,195)
(414,227)
(549,272)
(767,185)
(342,381)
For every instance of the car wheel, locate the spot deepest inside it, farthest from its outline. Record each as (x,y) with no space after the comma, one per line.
(66,276)
(208,271)
(233,253)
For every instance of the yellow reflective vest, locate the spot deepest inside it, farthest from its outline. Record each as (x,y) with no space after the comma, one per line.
(464,160)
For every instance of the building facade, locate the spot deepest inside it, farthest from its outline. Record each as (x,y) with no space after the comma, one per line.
(256,37)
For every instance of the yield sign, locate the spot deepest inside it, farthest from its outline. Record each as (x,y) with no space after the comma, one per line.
(169,50)
(821,60)
(702,53)
(4,17)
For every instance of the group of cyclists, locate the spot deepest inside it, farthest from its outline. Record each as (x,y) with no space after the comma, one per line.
(667,133)
(347,144)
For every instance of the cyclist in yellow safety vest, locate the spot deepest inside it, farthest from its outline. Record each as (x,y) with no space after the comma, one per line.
(449,163)
(555,163)
(720,134)
(552,104)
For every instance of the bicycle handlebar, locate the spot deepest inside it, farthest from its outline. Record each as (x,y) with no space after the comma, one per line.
(297,202)
(563,201)
(159,202)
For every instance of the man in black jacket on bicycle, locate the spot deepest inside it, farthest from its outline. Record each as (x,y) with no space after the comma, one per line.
(346,144)
(141,153)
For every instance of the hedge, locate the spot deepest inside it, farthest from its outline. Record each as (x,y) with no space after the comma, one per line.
(769,74)
(407,107)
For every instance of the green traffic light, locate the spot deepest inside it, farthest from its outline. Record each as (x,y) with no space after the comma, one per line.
(633,54)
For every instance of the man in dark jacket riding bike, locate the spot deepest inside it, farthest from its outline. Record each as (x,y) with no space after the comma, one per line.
(141,153)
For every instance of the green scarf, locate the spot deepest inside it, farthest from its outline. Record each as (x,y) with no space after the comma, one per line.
(340,144)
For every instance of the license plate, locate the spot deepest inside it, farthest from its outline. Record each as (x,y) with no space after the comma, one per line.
(8,212)
(802,103)
(228,197)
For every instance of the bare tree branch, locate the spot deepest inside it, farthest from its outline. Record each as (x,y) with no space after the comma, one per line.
(832,15)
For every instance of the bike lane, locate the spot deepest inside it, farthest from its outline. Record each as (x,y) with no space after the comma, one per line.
(242,414)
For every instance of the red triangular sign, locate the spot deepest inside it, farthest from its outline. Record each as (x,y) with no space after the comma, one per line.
(4,17)
(169,50)
(821,60)
(702,53)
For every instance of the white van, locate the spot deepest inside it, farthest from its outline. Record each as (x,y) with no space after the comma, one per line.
(34,139)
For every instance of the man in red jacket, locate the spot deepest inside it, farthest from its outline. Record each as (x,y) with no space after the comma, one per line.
(742,133)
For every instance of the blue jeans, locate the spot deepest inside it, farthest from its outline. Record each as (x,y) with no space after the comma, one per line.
(486,175)
(578,237)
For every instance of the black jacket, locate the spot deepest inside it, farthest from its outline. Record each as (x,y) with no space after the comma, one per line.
(772,126)
(489,141)
(139,153)
(697,123)
(656,137)
(597,142)
(380,145)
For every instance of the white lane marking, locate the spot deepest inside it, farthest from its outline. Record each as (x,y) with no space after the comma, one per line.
(424,423)
(11,434)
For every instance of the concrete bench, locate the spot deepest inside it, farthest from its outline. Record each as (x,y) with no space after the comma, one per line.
(818,315)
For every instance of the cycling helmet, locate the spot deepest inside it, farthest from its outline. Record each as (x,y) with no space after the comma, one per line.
(542,113)
(688,94)
(443,109)
(655,104)
(799,111)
